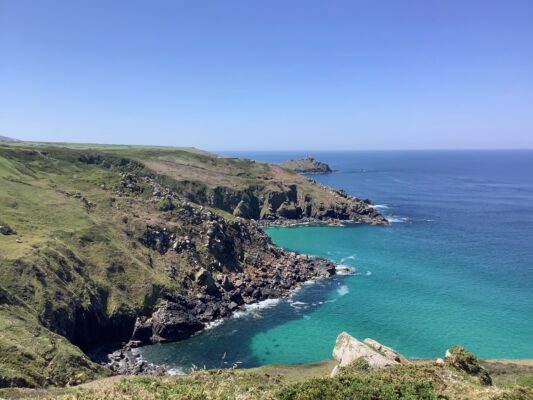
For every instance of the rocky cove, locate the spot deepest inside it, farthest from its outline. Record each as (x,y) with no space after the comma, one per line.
(147,246)
(218,292)
(218,286)
(215,299)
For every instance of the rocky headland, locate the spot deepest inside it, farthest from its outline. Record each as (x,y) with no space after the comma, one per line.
(308,165)
(7,139)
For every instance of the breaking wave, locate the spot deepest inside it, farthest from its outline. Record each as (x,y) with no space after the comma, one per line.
(343,290)
(344,259)
(214,324)
(394,219)
(256,307)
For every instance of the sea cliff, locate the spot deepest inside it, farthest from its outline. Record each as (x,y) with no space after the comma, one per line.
(111,245)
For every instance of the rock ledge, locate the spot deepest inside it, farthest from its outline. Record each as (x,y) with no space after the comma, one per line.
(348,349)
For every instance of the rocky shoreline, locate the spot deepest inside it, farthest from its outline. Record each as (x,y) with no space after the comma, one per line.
(290,223)
(185,316)
(217,288)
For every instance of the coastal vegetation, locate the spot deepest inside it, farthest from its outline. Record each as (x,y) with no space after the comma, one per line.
(103,244)
(417,380)
(107,248)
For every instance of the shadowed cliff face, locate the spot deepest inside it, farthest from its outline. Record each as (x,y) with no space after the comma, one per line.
(291,203)
(259,191)
(104,248)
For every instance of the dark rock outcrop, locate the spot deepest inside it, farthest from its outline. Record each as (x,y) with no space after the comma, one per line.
(171,322)
(233,263)
(291,205)
(6,230)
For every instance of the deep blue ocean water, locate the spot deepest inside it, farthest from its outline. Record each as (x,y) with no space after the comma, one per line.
(454,267)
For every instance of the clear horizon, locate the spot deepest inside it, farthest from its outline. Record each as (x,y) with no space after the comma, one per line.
(281,76)
(298,150)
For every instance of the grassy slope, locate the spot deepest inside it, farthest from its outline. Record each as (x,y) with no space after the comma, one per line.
(311,381)
(31,355)
(64,256)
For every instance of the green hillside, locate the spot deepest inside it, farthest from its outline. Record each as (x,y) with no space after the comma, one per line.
(88,235)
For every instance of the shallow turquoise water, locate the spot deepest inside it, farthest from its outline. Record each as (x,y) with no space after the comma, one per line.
(455,266)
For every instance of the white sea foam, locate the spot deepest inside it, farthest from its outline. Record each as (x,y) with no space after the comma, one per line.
(256,307)
(298,303)
(380,206)
(394,219)
(343,269)
(214,324)
(239,314)
(176,371)
(344,259)
(368,273)
(343,290)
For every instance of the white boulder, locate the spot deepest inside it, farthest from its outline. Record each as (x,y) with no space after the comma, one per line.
(348,349)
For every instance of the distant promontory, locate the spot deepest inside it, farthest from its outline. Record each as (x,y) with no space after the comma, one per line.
(308,165)
(7,139)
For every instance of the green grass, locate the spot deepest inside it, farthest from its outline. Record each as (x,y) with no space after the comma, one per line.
(64,255)
(31,355)
(300,382)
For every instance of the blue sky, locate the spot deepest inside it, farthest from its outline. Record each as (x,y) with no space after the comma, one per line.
(269,75)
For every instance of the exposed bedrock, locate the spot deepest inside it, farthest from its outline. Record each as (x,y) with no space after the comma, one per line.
(348,350)
(287,203)
(229,264)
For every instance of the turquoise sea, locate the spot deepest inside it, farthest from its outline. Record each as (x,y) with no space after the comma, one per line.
(454,267)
